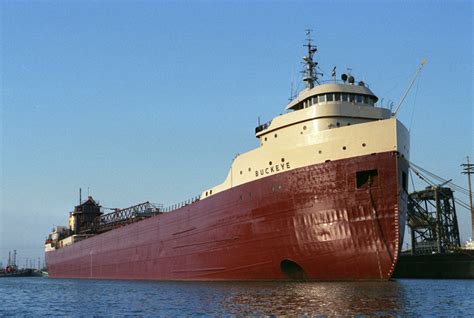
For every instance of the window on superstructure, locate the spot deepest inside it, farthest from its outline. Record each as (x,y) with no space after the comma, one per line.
(351,98)
(321,98)
(344,97)
(359,98)
(315,99)
(329,97)
(366,100)
(337,97)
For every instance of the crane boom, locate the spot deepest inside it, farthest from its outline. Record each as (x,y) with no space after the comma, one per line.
(409,86)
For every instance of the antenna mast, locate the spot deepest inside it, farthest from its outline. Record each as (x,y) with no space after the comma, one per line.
(310,73)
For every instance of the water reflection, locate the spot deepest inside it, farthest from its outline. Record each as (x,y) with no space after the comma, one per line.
(27,296)
(332,298)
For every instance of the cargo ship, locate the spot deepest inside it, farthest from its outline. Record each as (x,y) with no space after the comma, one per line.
(322,197)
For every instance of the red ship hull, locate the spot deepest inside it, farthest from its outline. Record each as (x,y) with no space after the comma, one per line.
(313,223)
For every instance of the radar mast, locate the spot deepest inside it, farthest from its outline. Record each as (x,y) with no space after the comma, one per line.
(310,73)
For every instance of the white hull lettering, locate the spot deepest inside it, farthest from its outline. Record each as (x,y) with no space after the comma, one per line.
(272,169)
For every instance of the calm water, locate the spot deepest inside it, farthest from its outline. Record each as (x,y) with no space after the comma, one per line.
(67,297)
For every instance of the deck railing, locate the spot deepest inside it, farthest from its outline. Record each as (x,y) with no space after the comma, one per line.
(121,217)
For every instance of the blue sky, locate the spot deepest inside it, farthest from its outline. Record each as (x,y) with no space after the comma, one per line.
(151,100)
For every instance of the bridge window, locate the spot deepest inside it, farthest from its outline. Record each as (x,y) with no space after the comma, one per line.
(315,100)
(344,97)
(366,100)
(329,97)
(359,98)
(321,98)
(351,98)
(337,97)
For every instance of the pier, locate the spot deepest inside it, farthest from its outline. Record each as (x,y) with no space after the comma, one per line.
(436,250)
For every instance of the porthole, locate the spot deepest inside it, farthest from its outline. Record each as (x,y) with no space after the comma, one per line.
(344,148)
(206,193)
(282,159)
(304,127)
(348,124)
(270,163)
(363,145)
(210,192)
(320,151)
(240,171)
(338,124)
(250,169)
(276,135)
(265,138)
